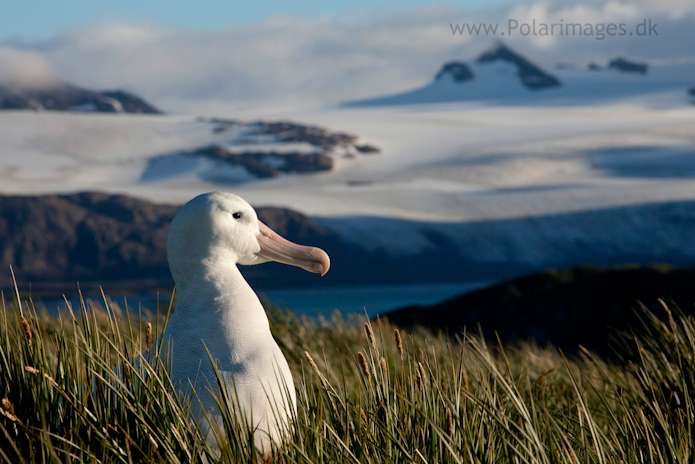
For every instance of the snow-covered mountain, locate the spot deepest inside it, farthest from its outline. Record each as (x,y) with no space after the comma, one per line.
(497,73)
(503,76)
(67,97)
(531,76)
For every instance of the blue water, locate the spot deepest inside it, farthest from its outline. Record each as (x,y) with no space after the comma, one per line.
(370,300)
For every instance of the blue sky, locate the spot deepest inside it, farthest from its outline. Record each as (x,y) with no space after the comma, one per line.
(42,19)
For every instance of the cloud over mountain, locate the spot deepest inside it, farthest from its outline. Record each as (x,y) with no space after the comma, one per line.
(26,69)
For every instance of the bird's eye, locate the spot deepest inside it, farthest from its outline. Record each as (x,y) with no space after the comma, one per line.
(236,215)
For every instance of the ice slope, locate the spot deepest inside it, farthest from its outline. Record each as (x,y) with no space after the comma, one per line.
(445,162)
(498,83)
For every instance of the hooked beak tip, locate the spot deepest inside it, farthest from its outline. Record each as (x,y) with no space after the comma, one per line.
(323,260)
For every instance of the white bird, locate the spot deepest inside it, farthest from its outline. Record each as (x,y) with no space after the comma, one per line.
(217,309)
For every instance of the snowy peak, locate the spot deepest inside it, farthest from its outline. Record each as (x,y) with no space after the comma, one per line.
(66,97)
(531,76)
(497,74)
(500,75)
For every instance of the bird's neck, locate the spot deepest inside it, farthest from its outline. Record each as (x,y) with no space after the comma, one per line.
(212,292)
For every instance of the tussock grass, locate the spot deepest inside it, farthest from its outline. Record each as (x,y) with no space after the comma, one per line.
(367,393)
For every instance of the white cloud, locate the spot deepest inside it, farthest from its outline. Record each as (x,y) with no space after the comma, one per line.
(290,59)
(116,35)
(25,69)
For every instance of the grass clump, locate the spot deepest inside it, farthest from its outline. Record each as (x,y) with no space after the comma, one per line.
(367,393)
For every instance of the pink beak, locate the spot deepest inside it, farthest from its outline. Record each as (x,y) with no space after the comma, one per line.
(277,248)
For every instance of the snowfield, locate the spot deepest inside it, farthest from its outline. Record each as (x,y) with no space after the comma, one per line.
(591,171)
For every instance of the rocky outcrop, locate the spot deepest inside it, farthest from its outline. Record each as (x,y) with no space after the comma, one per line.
(130,103)
(66,97)
(265,149)
(458,70)
(566,308)
(532,76)
(285,131)
(269,164)
(624,65)
(367,149)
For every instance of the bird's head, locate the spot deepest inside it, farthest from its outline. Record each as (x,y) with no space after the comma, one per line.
(224,224)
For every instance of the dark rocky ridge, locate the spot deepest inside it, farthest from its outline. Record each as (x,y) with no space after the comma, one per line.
(367,149)
(624,65)
(459,71)
(66,97)
(583,305)
(285,131)
(531,76)
(262,164)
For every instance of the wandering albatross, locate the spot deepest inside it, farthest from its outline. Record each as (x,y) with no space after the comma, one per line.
(218,310)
